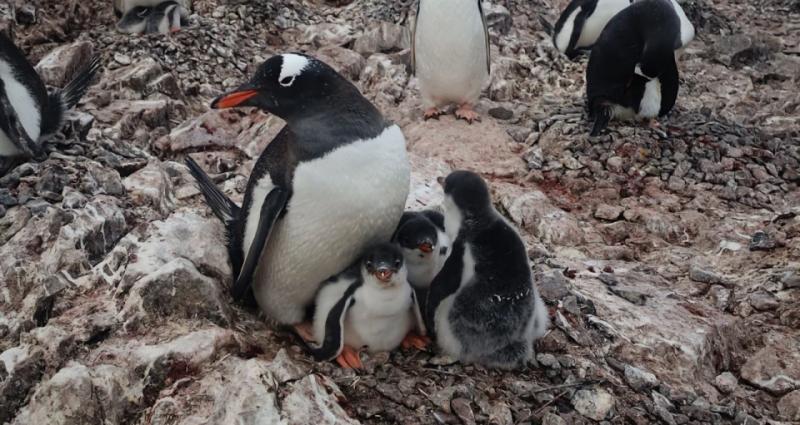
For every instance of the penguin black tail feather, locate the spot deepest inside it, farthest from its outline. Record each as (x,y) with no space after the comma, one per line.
(602,115)
(224,208)
(65,99)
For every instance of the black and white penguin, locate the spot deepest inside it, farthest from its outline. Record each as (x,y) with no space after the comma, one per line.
(425,247)
(161,19)
(581,23)
(28,113)
(632,71)
(121,7)
(332,182)
(450,55)
(370,305)
(483,306)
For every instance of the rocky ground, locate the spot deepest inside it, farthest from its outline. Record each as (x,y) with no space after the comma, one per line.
(670,259)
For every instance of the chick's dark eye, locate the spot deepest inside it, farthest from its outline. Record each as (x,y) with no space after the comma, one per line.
(369,264)
(397,263)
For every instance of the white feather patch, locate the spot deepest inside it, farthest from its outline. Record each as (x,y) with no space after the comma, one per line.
(650,104)
(24,104)
(292,66)
(563,36)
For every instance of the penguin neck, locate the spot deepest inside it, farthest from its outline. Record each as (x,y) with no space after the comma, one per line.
(474,222)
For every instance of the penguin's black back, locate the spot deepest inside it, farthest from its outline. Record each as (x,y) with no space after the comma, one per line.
(647,29)
(23,71)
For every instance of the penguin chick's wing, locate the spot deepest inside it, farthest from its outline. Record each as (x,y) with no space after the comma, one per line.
(419,321)
(444,284)
(271,210)
(333,339)
(9,121)
(486,35)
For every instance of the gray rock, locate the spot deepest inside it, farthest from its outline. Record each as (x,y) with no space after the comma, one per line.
(775,368)
(345,61)
(551,284)
(726,382)
(789,406)
(638,379)
(59,66)
(309,402)
(608,212)
(383,37)
(593,403)
(462,409)
(151,186)
(284,369)
(762,300)
(762,241)
(703,274)
(548,360)
(552,419)
(791,279)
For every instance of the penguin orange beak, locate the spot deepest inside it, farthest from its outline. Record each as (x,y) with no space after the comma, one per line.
(233,99)
(384,274)
(426,247)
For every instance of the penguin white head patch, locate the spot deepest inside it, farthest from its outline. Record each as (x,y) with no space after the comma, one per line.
(291,67)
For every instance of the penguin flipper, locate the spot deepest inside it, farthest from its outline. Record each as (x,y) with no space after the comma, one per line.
(9,121)
(65,99)
(414,41)
(444,284)
(422,330)
(271,210)
(669,87)
(333,340)
(486,36)
(224,208)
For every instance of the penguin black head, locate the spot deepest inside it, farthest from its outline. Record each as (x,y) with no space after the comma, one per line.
(418,234)
(288,85)
(385,263)
(466,200)
(135,20)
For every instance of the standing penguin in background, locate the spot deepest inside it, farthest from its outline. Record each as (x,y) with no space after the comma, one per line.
(28,113)
(450,55)
(581,23)
(425,247)
(332,182)
(483,306)
(368,305)
(632,71)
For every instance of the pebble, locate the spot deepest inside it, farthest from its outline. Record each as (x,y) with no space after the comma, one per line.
(593,403)
(638,379)
(763,301)
(501,113)
(122,59)
(726,382)
(608,212)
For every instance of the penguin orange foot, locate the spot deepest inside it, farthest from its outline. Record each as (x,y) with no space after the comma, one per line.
(433,113)
(466,113)
(305,331)
(420,342)
(349,358)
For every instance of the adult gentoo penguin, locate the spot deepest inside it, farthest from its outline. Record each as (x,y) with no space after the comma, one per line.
(369,305)
(424,244)
(483,305)
(163,18)
(450,55)
(332,182)
(28,113)
(632,70)
(581,23)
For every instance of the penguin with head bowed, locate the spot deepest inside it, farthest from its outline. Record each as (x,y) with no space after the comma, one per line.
(151,16)
(369,305)
(28,113)
(421,238)
(483,306)
(581,23)
(332,182)
(632,71)
(165,18)
(450,55)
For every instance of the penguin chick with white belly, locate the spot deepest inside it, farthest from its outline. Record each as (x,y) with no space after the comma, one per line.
(332,182)
(425,248)
(166,18)
(581,23)
(450,55)
(632,71)
(370,305)
(28,113)
(483,307)
(151,16)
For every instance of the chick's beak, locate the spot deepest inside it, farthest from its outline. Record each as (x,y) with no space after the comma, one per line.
(235,98)
(426,247)
(384,274)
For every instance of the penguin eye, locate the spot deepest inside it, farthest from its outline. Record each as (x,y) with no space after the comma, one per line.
(397,263)
(369,264)
(287,81)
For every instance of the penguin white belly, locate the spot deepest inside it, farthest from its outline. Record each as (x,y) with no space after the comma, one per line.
(421,271)
(379,319)
(348,199)
(24,105)
(687,29)
(650,104)
(594,25)
(563,36)
(450,49)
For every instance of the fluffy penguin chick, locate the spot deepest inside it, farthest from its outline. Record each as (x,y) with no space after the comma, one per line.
(632,71)
(370,305)
(581,23)
(450,55)
(28,113)
(135,20)
(424,244)
(483,306)
(164,19)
